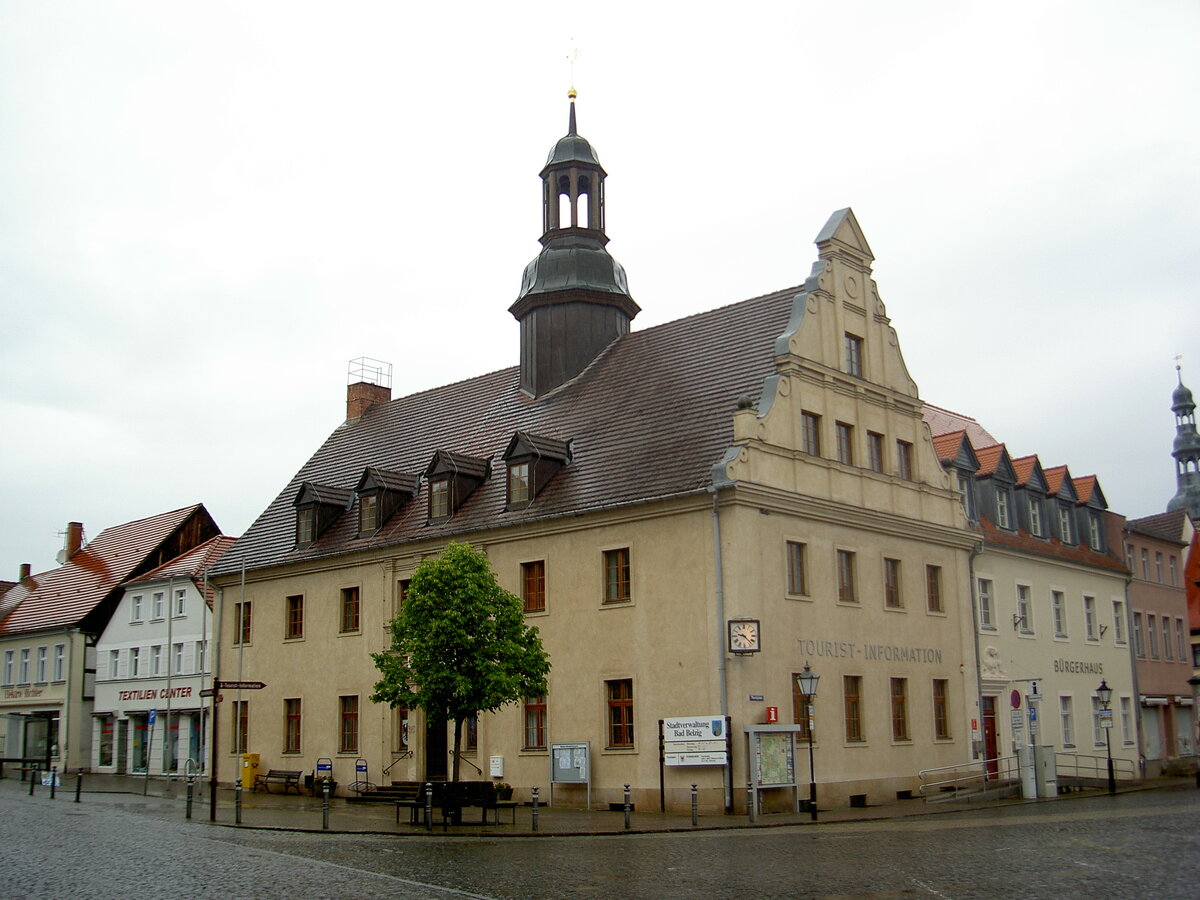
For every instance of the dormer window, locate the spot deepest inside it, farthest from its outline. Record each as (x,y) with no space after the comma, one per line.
(1003,518)
(317,507)
(453,477)
(380,493)
(1094,532)
(1064,525)
(532,461)
(1035,517)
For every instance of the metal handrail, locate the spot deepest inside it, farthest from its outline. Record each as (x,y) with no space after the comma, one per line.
(1069,764)
(467,761)
(406,754)
(970,774)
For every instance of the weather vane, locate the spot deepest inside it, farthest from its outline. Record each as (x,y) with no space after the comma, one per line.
(1179,367)
(571,58)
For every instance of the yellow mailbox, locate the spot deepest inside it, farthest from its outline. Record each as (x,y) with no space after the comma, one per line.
(250,762)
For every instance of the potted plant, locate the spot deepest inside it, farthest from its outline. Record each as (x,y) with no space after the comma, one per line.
(504,790)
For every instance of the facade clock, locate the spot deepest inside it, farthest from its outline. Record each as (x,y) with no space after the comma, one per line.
(745,636)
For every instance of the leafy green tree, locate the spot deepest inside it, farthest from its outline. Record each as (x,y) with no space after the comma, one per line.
(460,645)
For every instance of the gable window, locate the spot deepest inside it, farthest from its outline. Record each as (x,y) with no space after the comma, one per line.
(439,498)
(1089,618)
(156,605)
(241,623)
(294,627)
(1035,517)
(348,724)
(1059,611)
(350,610)
(1129,557)
(1024,609)
(535,723)
(854,346)
(810,433)
(305,525)
(180,603)
(1097,541)
(899,709)
(453,478)
(518,483)
(968,495)
(533,586)
(986,612)
(620,712)
(933,589)
(797,581)
(904,460)
(875,451)
(381,492)
(941,709)
(616,575)
(291,725)
(891,584)
(852,700)
(368,513)
(847,590)
(1002,518)
(845,443)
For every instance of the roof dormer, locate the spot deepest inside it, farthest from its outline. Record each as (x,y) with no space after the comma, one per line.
(317,507)
(380,493)
(452,478)
(532,461)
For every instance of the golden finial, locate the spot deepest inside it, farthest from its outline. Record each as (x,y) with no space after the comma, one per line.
(571,95)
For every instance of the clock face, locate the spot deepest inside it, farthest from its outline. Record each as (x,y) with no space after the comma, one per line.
(743,637)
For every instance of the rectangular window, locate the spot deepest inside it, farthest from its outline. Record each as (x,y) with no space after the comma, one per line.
(620,712)
(1035,517)
(1145,564)
(42,657)
(156,605)
(348,731)
(1129,557)
(1097,728)
(533,586)
(180,603)
(1166,628)
(1152,634)
(616,575)
(1174,572)
(156,659)
(1158,567)
(518,483)
(291,725)
(1127,720)
(811,433)
(368,513)
(933,589)
(135,608)
(350,610)
(853,346)
(1066,721)
(1002,507)
(891,584)
(852,694)
(1024,609)
(1059,610)
(941,709)
(875,451)
(24,674)
(1180,640)
(135,662)
(1139,645)
(399,729)
(904,458)
(986,613)
(966,489)
(294,624)
(899,709)
(1094,535)
(240,732)
(439,499)
(797,577)
(202,656)
(1119,621)
(9,663)
(60,661)
(1089,617)
(402,587)
(1064,525)
(471,734)
(241,623)
(801,709)
(114,664)
(306,518)
(535,723)
(845,443)
(847,590)
(177,658)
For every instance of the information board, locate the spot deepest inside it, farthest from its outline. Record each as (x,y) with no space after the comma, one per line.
(571,764)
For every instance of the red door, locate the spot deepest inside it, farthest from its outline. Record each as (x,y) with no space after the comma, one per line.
(990,745)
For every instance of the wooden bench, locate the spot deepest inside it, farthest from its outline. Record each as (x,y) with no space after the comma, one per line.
(289,778)
(451,797)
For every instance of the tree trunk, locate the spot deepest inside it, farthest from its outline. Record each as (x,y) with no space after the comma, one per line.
(457,740)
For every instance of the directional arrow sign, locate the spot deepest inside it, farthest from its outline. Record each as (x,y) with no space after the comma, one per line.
(241,685)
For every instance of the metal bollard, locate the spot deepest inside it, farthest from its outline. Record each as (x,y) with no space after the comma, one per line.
(191,781)
(695,806)
(533,815)
(53,780)
(750,800)
(237,803)
(428,806)
(627,804)
(78,785)
(325,805)
(33,776)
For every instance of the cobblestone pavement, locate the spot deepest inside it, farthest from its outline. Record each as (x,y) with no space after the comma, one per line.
(1143,844)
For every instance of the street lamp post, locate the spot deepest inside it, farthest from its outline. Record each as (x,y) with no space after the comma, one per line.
(807,682)
(1104,694)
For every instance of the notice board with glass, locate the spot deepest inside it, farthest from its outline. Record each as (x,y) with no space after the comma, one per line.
(771,760)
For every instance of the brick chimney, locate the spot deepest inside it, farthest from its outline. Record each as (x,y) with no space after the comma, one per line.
(369,381)
(74,539)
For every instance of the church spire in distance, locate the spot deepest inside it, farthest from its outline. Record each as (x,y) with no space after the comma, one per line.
(1186,450)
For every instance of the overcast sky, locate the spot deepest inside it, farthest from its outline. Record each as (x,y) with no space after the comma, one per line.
(207,209)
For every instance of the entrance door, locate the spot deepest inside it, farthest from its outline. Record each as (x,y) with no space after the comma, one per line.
(436,750)
(991,745)
(122,746)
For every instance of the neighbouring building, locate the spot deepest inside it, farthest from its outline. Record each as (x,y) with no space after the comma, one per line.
(152,662)
(691,513)
(49,624)
(1050,602)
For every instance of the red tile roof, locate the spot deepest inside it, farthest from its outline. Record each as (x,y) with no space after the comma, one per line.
(989,458)
(943,421)
(1051,547)
(1085,486)
(66,595)
(1024,467)
(1054,478)
(191,565)
(946,445)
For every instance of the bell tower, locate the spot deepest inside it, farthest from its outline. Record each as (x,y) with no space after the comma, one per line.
(1186,451)
(574,298)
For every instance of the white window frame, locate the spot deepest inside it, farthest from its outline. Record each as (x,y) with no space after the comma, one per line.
(23,674)
(135,608)
(177,657)
(1152,634)
(135,662)
(1064,525)
(1127,720)
(1003,517)
(1066,720)
(1168,649)
(1058,610)
(1094,531)
(180,602)
(987,609)
(156,659)
(43,660)
(10,665)
(156,605)
(1097,728)
(1035,517)
(201,655)
(1119,621)
(1025,609)
(1139,642)
(60,662)
(1090,629)
(114,664)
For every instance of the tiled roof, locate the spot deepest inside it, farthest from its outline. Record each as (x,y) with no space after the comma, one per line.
(6,586)
(1054,478)
(191,565)
(1085,487)
(647,419)
(1025,467)
(946,445)
(1168,526)
(64,596)
(989,458)
(1050,547)
(943,421)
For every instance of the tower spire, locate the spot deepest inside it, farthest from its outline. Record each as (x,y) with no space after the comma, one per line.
(1186,450)
(571,122)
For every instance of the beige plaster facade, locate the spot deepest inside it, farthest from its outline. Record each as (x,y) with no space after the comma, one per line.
(43,701)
